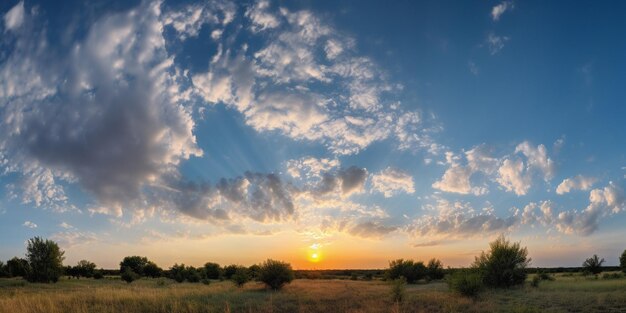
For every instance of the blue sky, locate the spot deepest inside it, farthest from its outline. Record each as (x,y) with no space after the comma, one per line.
(366,131)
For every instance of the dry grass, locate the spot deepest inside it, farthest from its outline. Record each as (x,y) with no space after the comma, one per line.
(566,294)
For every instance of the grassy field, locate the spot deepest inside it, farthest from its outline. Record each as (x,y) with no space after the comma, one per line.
(565,294)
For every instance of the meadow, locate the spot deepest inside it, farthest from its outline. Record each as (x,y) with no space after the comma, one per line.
(567,293)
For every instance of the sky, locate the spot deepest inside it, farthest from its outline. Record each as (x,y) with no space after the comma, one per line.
(328,134)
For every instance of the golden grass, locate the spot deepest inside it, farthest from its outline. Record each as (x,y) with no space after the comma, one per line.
(566,294)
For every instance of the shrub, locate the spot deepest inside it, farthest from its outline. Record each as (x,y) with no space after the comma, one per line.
(45,259)
(368,276)
(205,281)
(275,274)
(241,276)
(544,276)
(84,268)
(17,267)
(410,270)
(398,289)
(504,265)
(466,282)
(611,276)
(229,271)
(593,265)
(152,270)
(535,281)
(253,271)
(98,275)
(177,273)
(3,270)
(192,274)
(622,261)
(134,263)
(128,275)
(434,269)
(211,271)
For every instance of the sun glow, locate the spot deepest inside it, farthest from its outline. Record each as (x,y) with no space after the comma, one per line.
(313,253)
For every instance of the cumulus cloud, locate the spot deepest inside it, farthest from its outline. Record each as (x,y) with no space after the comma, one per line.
(14,18)
(499,9)
(260,17)
(119,123)
(516,175)
(29,224)
(602,203)
(458,219)
(71,238)
(188,20)
(457,178)
(575,183)
(310,166)
(371,229)
(392,181)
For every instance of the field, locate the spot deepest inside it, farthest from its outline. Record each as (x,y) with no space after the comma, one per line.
(568,293)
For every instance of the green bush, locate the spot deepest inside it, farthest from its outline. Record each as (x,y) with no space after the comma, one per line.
(98,275)
(535,281)
(410,270)
(206,281)
(129,276)
(622,261)
(45,259)
(504,265)
(611,276)
(398,289)
(241,276)
(211,270)
(275,274)
(229,270)
(468,283)
(17,267)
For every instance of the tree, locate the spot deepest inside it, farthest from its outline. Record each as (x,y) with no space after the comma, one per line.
(504,265)
(134,263)
(593,265)
(152,270)
(211,270)
(45,259)
(622,261)
(85,268)
(177,273)
(192,274)
(275,274)
(128,275)
(229,271)
(434,269)
(253,271)
(410,270)
(17,267)
(241,276)
(3,270)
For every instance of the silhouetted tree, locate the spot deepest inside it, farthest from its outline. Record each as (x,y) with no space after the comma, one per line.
(17,267)
(152,270)
(3,270)
(177,272)
(434,269)
(622,261)
(128,275)
(504,265)
(134,263)
(241,276)
(253,271)
(45,259)
(593,265)
(411,271)
(275,274)
(211,270)
(229,270)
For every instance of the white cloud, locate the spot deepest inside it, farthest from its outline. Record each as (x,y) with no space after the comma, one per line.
(499,9)
(14,18)
(310,167)
(515,175)
(29,224)
(189,20)
(457,178)
(575,183)
(392,181)
(537,158)
(260,17)
(496,43)
(512,177)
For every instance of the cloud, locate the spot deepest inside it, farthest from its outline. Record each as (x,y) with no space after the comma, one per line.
(310,166)
(337,98)
(495,43)
(260,17)
(29,224)
(457,219)
(371,229)
(72,238)
(602,203)
(575,183)
(457,178)
(515,175)
(120,122)
(499,9)
(14,18)
(189,20)
(392,181)
(432,243)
